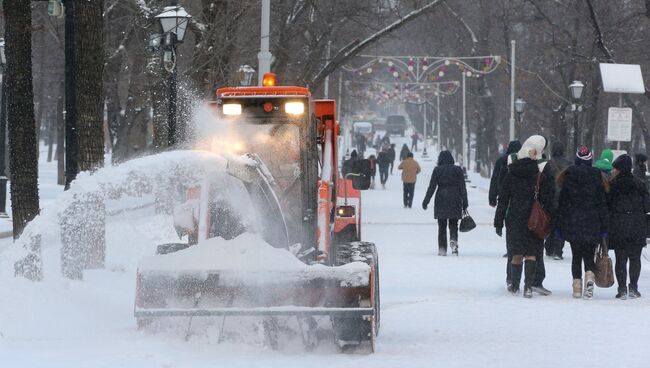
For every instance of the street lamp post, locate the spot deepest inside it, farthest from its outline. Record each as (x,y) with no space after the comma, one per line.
(3,133)
(576,88)
(173,21)
(520,104)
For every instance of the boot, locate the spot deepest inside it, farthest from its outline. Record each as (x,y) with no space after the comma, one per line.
(622,293)
(577,288)
(633,292)
(442,252)
(529,277)
(454,247)
(515,280)
(589,284)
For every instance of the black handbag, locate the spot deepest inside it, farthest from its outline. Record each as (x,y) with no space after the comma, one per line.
(466,223)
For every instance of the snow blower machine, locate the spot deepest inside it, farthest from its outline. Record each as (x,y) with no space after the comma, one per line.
(278,236)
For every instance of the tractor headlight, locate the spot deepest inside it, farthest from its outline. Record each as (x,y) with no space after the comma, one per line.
(232,109)
(345,211)
(294,108)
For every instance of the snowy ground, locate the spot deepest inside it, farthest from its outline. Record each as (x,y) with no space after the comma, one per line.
(436,311)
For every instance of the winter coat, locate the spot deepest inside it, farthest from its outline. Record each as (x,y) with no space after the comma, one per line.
(346,168)
(516,199)
(499,171)
(383,160)
(410,170)
(628,202)
(582,208)
(451,193)
(391,154)
(557,164)
(403,153)
(373,165)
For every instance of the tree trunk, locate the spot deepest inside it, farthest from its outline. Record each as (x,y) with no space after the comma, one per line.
(90,66)
(60,137)
(20,113)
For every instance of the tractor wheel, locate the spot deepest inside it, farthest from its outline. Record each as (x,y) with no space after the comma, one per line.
(358,334)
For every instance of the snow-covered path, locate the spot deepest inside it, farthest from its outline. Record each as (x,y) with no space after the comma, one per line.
(436,311)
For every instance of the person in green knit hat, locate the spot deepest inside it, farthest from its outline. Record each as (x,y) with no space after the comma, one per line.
(605,162)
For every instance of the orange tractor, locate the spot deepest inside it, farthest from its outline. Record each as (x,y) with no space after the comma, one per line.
(300,206)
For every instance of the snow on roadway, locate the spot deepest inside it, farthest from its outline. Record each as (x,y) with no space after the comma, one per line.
(436,311)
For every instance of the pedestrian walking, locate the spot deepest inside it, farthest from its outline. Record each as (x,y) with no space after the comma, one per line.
(582,217)
(361,144)
(628,203)
(391,156)
(404,152)
(526,173)
(410,170)
(383,162)
(415,137)
(558,163)
(373,170)
(349,163)
(498,173)
(448,183)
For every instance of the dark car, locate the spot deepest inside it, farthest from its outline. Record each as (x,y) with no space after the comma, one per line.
(396,124)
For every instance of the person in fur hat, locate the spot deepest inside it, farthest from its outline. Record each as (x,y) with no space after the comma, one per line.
(514,206)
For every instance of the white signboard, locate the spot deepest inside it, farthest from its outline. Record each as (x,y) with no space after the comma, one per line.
(622,78)
(619,124)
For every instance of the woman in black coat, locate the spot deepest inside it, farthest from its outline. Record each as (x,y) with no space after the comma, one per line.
(628,203)
(582,217)
(451,200)
(514,206)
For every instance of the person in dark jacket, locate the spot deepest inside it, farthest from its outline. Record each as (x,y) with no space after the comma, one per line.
(497,177)
(558,163)
(582,217)
(361,144)
(514,207)
(347,164)
(448,183)
(640,167)
(403,154)
(415,137)
(383,161)
(391,156)
(373,170)
(628,203)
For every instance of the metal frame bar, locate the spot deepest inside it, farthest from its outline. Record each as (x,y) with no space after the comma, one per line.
(274,311)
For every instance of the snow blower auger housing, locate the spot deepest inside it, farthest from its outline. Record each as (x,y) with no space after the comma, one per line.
(280,236)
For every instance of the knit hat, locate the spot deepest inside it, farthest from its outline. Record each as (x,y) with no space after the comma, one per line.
(623,163)
(584,153)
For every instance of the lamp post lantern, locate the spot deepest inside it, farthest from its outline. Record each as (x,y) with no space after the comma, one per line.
(3,133)
(173,21)
(576,88)
(520,104)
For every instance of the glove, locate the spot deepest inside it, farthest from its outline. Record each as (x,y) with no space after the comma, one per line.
(424,205)
(499,231)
